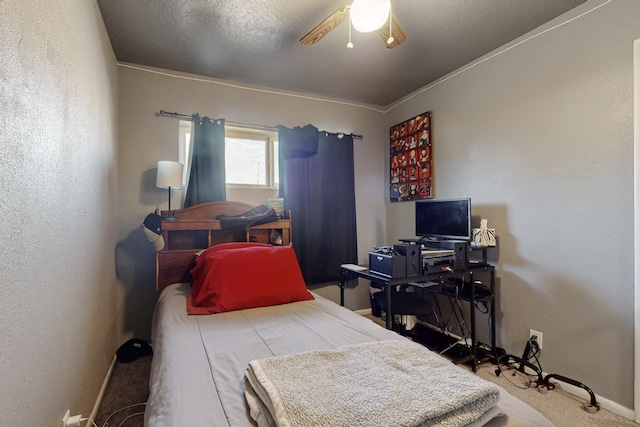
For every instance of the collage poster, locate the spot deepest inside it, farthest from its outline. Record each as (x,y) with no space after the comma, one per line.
(411,159)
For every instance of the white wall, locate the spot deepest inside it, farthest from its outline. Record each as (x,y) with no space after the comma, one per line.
(541,138)
(146,138)
(58,180)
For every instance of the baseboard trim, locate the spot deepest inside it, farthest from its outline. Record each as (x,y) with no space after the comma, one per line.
(96,406)
(363,312)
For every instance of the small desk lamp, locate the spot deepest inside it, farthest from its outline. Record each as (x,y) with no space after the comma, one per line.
(169,175)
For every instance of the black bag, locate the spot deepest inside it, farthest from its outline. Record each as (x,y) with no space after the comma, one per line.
(259,215)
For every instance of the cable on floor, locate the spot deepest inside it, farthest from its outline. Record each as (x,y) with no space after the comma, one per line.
(89,419)
(536,350)
(106,422)
(129,416)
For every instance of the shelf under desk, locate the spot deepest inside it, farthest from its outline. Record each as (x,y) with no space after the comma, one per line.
(411,299)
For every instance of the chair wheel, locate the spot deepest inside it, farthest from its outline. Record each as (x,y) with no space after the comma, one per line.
(590,408)
(542,389)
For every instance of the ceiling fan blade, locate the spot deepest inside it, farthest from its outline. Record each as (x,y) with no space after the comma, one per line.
(325,26)
(399,36)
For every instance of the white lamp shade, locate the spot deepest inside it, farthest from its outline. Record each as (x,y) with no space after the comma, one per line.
(169,174)
(369,15)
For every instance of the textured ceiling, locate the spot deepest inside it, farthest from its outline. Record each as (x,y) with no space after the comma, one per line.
(256,41)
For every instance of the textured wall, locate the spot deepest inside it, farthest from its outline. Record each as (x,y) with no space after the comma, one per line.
(58,185)
(541,138)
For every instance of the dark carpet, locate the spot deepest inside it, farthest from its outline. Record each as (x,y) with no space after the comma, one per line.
(128,389)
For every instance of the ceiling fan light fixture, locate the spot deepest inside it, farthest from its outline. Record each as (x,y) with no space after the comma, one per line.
(369,15)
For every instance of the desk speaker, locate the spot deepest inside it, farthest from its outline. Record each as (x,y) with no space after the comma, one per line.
(413,256)
(461,261)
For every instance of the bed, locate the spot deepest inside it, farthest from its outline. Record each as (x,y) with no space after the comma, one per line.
(294,358)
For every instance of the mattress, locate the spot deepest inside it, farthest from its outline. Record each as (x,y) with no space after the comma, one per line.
(199,361)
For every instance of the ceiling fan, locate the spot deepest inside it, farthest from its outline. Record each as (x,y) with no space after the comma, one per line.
(360,11)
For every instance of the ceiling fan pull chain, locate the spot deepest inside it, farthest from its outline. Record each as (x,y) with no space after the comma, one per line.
(390,39)
(349,45)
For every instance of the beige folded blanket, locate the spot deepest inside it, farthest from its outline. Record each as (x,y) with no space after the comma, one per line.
(384,383)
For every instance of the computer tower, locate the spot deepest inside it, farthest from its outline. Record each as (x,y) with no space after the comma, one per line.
(414,258)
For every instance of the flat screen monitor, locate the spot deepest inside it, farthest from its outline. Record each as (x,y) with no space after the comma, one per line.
(444,219)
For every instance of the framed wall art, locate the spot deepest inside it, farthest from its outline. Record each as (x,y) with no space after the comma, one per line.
(411,159)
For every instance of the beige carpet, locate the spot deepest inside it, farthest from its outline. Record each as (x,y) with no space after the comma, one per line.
(562,408)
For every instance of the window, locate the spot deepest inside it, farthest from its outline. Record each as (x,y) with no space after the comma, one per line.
(251,155)
(185,146)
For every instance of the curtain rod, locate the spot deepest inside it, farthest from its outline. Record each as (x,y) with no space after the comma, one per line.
(190,118)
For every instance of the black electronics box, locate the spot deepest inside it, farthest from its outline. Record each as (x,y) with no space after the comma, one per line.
(430,267)
(414,258)
(461,250)
(393,266)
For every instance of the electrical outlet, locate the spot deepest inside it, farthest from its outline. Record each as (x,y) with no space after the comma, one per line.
(538,335)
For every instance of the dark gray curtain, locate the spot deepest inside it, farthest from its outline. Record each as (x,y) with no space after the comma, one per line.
(317,184)
(207,174)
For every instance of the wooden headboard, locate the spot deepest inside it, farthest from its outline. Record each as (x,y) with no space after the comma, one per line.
(197,228)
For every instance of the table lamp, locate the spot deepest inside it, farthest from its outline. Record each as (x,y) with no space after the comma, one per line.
(169,176)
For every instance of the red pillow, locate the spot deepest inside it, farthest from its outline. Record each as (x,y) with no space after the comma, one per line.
(231,245)
(246,276)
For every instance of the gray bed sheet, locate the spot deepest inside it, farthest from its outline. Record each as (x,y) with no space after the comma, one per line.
(199,361)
